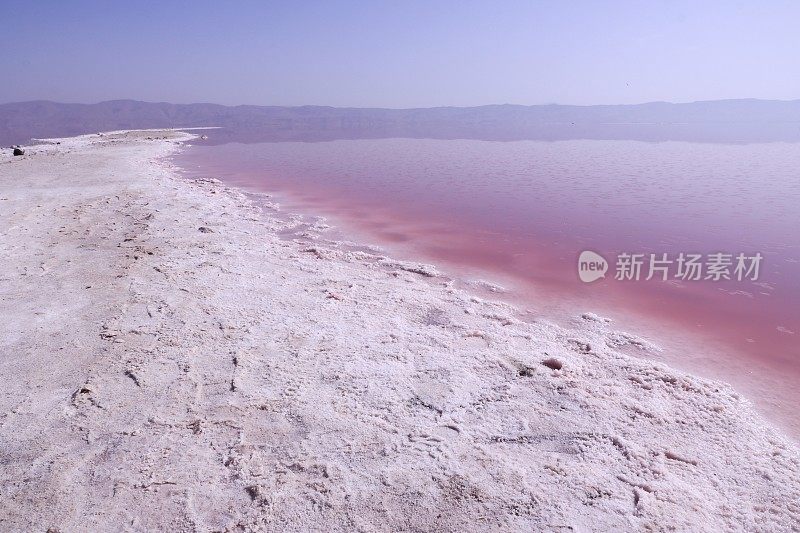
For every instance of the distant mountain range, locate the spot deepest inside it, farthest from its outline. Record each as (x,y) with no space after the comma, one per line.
(711,121)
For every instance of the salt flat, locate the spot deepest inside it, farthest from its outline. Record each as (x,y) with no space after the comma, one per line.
(169,362)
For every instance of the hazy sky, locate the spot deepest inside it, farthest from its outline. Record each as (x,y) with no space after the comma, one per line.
(399,54)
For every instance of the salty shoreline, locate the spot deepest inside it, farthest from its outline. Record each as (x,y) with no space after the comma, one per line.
(172,363)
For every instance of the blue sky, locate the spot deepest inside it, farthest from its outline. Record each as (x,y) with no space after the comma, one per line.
(399,54)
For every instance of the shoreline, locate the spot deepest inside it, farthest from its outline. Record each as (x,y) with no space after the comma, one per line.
(174,363)
(696,351)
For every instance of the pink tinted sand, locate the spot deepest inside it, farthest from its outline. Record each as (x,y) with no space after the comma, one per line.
(521,212)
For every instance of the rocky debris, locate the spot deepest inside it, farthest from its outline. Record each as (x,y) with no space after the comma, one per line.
(553,363)
(526,371)
(18,150)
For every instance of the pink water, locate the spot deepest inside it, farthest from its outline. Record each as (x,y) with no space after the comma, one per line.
(521,212)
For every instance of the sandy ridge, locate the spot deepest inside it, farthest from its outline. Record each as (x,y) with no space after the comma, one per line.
(170,363)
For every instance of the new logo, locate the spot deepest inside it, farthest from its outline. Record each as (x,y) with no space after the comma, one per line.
(591,266)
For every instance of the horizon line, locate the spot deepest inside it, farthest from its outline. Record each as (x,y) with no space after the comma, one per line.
(554,104)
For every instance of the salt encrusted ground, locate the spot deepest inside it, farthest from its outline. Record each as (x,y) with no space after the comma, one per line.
(170,363)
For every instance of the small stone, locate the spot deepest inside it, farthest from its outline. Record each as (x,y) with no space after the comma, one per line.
(19,151)
(553,363)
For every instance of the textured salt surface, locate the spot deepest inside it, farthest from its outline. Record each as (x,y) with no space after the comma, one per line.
(172,362)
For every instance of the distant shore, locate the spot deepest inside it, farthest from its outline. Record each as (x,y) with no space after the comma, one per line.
(171,363)
(746,120)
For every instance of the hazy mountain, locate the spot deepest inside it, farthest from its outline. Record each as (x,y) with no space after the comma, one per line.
(712,121)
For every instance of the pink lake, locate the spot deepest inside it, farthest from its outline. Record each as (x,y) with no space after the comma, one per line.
(519,214)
